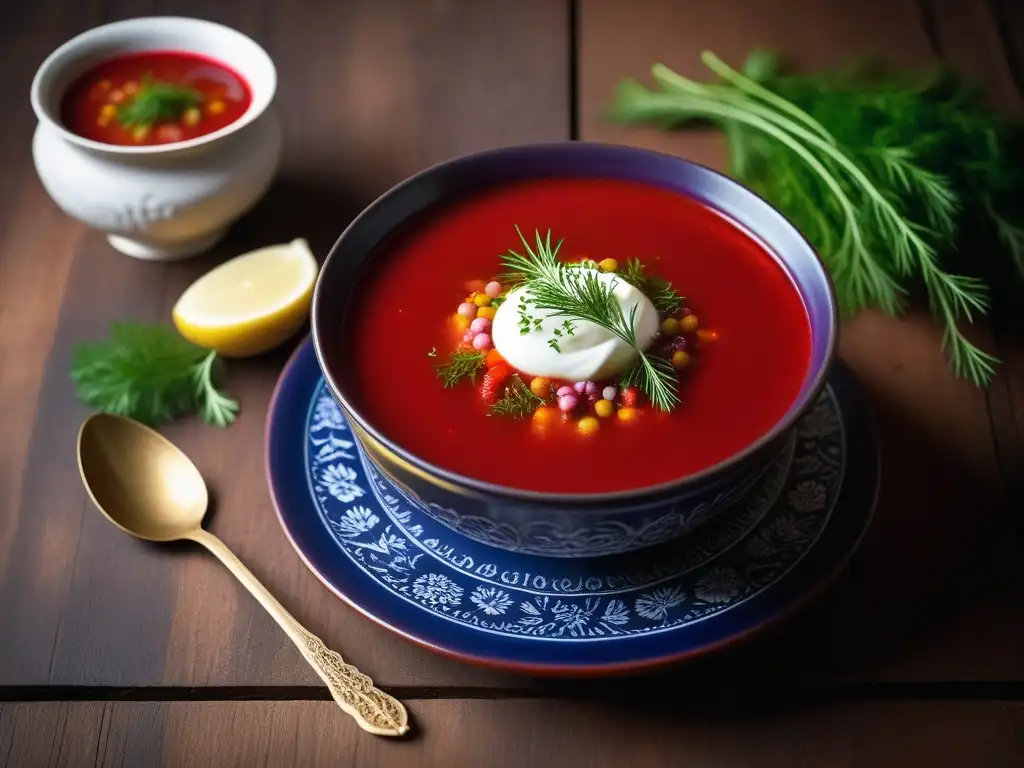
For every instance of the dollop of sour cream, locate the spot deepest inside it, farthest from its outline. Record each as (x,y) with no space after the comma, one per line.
(590,354)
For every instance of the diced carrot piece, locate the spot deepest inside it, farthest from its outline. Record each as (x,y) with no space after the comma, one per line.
(493,358)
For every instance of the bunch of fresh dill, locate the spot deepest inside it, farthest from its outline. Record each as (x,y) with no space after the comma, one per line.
(885,174)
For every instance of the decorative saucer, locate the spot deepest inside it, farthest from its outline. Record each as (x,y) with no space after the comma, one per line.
(732,577)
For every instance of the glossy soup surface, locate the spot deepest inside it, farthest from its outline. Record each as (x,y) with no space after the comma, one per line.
(94,104)
(735,390)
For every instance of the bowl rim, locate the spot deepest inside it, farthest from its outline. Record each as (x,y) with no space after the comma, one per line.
(53,61)
(436,475)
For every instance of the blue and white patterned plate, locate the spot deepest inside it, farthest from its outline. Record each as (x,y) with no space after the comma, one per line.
(540,615)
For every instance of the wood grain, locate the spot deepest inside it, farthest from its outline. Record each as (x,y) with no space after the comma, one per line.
(367,101)
(370,92)
(986,41)
(940,513)
(507,734)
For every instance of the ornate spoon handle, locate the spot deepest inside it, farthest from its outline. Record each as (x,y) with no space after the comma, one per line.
(375,711)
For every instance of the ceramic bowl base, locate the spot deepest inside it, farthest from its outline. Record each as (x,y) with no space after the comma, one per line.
(152,250)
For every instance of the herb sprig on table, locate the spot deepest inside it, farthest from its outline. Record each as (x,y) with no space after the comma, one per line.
(151,374)
(569,292)
(885,174)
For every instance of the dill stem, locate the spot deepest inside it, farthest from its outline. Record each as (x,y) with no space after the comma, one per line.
(827,144)
(885,287)
(744,83)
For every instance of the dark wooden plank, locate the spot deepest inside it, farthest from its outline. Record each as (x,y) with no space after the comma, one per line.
(59,735)
(503,734)
(176,618)
(1008,19)
(986,42)
(37,245)
(43,507)
(940,513)
(370,92)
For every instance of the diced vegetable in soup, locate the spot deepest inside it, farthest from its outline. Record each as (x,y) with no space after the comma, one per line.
(154,97)
(576,336)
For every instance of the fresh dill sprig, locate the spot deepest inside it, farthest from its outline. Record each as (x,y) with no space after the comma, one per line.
(883,173)
(636,375)
(151,374)
(658,290)
(517,402)
(157,102)
(214,406)
(566,329)
(460,365)
(633,273)
(578,294)
(532,266)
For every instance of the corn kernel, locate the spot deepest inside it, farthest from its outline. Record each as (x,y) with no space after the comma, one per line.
(670,326)
(588,425)
(680,359)
(545,416)
(140,133)
(487,312)
(628,414)
(191,116)
(604,408)
(108,111)
(482,300)
(541,387)
(688,324)
(216,107)
(608,265)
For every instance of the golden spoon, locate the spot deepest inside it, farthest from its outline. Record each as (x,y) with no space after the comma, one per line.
(147,487)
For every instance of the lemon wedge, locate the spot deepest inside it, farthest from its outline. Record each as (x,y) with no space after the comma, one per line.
(251,303)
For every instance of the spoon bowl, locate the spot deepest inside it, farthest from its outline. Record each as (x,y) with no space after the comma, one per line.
(140,480)
(148,488)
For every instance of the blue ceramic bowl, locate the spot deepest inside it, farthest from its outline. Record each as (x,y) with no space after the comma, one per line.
(549,524)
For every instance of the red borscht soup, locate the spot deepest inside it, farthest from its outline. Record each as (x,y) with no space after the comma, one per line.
(154,97)
(649,338)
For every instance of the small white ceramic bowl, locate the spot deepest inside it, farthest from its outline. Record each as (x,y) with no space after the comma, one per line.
(168,201)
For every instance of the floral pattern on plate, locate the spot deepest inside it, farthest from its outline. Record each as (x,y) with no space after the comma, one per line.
(530,597)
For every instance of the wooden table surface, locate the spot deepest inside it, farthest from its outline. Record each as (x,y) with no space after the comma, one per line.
(117,653)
